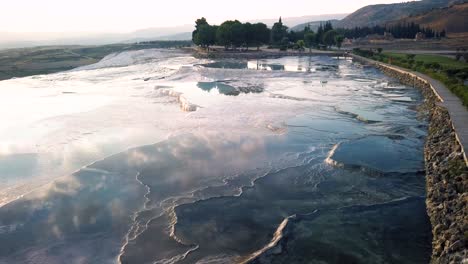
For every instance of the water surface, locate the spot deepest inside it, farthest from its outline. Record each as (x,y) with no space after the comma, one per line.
(288,160)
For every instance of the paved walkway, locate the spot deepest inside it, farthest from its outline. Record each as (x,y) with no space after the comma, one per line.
(458,112)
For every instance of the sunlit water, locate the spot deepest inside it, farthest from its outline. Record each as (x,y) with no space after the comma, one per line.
(289,160)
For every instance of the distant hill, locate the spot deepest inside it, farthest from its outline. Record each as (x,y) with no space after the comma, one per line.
(453,19)
(161,32)
(21,40)
(314,25)
(381,14)
(294,21)
(175,37)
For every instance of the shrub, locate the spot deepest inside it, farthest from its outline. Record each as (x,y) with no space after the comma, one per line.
(451,72)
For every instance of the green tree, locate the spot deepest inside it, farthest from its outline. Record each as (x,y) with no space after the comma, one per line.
(261,34)
(339,40)
(224,34)
(230,34)
(249,35)
(278,32)
(284,44)
(205,36)
(300,44)
(198,23)
(295,36)
(319,35)
(328,26)
(238,34)
(329,38)
(310,40)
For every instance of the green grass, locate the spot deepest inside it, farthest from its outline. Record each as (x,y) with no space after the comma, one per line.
(450,72)
(442,60)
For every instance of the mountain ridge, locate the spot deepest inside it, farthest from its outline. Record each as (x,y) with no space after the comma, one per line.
(453,19)
(381,14)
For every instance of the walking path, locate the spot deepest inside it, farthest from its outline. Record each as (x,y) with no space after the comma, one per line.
(458,112)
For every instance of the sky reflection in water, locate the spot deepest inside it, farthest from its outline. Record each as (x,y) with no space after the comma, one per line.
(341,164)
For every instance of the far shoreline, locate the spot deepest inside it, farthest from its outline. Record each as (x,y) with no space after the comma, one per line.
(221,53)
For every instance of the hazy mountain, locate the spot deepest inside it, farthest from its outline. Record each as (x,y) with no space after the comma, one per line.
(18,40)
(380,14)
(293,21)
(15,40)
(159,32)
(178,36)
(453,19)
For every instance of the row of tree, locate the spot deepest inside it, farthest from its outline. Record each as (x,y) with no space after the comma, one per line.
(398,31)
(233,33)
(410,30)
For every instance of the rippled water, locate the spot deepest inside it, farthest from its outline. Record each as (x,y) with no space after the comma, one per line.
(157,157)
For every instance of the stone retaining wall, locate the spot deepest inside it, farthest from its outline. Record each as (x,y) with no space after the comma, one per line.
(446,174)
(446,184)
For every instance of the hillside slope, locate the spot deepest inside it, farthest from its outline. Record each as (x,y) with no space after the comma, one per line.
(453,19)
(314,25)
(293,21)
(381,14)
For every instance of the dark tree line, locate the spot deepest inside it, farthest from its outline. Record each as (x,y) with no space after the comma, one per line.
(234,34)
(398,31)
(410,31)
(231,33)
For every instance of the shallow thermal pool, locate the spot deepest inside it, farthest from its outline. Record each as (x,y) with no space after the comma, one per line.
(154,156)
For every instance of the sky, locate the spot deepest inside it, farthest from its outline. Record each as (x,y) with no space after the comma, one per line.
(122,16)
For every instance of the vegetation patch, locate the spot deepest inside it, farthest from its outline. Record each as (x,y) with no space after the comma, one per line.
(233,34)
